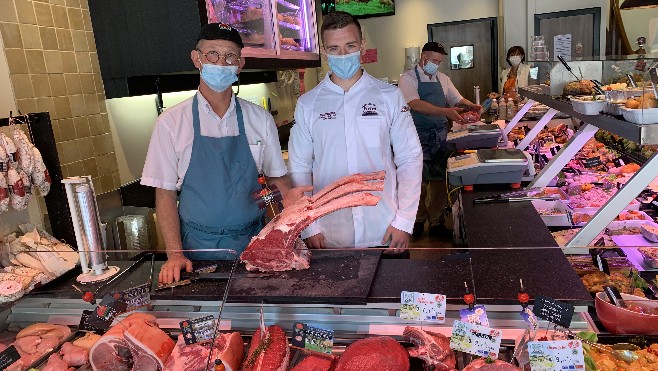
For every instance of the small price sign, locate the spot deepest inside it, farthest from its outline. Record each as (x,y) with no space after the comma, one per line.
(592,162)
(198,330)
(136,297)
(476,316)
(556,355)
(553,311)
(477,340)
(103,315)
(420,306)
(312,338)
(8,356)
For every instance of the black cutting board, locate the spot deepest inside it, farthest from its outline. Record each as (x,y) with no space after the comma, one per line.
(335,277)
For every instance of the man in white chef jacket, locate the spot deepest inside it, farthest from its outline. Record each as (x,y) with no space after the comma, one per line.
(353,123)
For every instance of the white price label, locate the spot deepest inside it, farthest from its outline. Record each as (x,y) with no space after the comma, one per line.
(556,355)
(420,306)
(474,339)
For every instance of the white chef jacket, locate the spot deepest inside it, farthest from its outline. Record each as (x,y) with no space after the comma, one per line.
(367,129)
(408,84)
(170,149)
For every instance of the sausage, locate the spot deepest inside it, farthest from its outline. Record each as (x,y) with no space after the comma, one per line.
(9,147)
(4,193)
(40,175)
(24,148)
(19,185)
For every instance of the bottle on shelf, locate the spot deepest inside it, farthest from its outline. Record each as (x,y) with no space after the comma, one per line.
(510,109)
(493,110)
(502,109)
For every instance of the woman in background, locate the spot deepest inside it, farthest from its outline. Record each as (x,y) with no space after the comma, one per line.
(517,75)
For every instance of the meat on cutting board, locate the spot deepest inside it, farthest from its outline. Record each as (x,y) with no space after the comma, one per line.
(380,353)
(432,348)
(228,347)
(278,247)
(269,352)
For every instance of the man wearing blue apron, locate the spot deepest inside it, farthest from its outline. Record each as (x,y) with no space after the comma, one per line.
(431,95)
(212,149)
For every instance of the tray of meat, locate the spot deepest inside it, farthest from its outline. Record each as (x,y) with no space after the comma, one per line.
(35,343)
(595,198)
(582,216)
(553,213)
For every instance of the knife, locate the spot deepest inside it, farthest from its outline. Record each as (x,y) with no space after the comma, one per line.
(187,278)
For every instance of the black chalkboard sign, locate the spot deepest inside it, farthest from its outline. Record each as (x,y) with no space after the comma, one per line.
(592,162)
(553,311)
(8,356)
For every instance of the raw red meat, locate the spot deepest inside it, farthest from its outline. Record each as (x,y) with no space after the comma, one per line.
(270,353)
(315,362)
(149,346)
(381,353)
(471,116)
(497,365)
(228,347)
(74,355)
(55,363)
(278,248)
(432,348)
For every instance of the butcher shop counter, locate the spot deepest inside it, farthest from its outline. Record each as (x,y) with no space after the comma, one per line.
(347,309)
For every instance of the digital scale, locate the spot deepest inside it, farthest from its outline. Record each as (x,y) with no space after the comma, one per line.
(488,166)
(477,136)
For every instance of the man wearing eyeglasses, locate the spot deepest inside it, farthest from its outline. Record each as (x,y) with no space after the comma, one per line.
(353,123)
(212,148)
(432,97)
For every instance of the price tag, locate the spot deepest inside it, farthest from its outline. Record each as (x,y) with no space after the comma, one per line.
(198,330)
(619,162)
(473,339)
(531,320)
(592,162)
(556,355)
(103,316)
(418,306)
(553,311)
(136,297)
(312,338)
(8,356)
(476,316)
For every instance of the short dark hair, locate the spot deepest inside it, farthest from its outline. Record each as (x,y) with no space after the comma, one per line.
(338,19)
(515,50)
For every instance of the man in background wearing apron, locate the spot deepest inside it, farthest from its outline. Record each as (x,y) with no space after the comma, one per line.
(431,96)
(212,148)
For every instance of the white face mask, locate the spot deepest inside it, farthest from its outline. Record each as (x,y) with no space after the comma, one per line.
(515,60)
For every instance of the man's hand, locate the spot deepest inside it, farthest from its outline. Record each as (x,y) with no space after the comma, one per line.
(476,107)
(399,240)
(170,271)
(454,115)
(315,242)
(295,194)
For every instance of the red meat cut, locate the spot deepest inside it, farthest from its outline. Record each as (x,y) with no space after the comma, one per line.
(381,353)
(432,348)
(278,247)
(269,353)
(481,364)
(316,362)
(228,347)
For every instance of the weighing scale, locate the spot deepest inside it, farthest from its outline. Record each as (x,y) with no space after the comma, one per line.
(477,136)
(488,166)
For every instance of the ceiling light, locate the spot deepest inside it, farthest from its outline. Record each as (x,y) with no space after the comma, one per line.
(636,4)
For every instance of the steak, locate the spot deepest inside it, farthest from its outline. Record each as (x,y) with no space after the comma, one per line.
(269,353)
(136,343)
(315,362)
(381,353)
(228,347)
(481,364)
(432,348)
(278,248)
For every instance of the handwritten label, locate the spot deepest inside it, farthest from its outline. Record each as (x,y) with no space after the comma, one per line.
(562,46)
(8,356)
(476,316)
(312,338)
(198,330)
(553,311)
(136,297)
(556,355)
(473,339)
(418,306)
(103,315)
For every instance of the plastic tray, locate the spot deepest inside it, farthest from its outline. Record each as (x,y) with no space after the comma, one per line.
(647,116)
(588,107)
(554,220)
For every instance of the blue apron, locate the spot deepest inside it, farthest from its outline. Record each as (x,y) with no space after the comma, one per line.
(216,207)
(432,130)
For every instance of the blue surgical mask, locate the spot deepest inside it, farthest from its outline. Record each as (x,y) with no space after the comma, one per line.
(344,66)
(219,78)
(430,67)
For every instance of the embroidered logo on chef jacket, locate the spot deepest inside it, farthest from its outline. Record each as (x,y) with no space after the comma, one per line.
(369,109)
(405,109)
(328,116)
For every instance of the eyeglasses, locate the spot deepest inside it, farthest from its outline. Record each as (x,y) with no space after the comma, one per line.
(212,56)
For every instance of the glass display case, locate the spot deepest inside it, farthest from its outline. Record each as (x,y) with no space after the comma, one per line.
(270,28)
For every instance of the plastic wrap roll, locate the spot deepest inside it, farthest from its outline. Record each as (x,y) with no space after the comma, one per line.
(91,234)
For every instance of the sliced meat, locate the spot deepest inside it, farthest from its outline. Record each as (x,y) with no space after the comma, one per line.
(316,362)
(47,344)
(45,330)
(432,348)
(381,353)
(27,344)
(55,363)
(228,347)
(271,353)
(74,355)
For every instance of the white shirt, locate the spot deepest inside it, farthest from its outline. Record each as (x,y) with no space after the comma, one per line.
(408,84)
(170,149)
(333,138)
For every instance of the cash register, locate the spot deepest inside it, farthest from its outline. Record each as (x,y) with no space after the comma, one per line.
(488,166)
(476,136)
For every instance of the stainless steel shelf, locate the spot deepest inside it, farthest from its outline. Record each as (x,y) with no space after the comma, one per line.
(641,134)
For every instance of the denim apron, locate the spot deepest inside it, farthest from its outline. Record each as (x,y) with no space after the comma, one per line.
(216,207)
(432,130)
